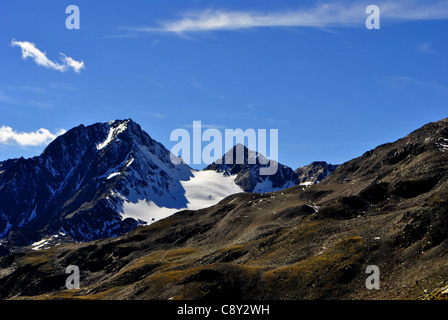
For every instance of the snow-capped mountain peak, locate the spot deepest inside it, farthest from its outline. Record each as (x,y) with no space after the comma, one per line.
(105,179)
(246,164)
(99,181)
(114,131)
(81,181)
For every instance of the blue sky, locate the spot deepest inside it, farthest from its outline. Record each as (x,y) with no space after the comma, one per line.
(310,69)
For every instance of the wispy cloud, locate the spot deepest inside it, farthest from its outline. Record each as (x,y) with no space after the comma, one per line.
(157,115)
(61,86)
(322,16)
(71,63)
(206,126)
(43,97)
(426,48)
(5,98)
(402,81)
(29,50)
(154,82)
(195,83)
(36,138)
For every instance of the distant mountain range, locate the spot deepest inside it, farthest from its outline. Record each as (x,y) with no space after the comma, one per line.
(387,208)
(106,179)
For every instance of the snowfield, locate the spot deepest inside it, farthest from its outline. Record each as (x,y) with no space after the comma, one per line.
(204,189)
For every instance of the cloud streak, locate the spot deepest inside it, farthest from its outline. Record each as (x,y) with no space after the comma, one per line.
(321,16)
(36,138)
(398,81)
(29,50)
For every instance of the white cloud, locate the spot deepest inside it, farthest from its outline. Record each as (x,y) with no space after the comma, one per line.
(76,65)
(324,15)
(37,138)
(29,50)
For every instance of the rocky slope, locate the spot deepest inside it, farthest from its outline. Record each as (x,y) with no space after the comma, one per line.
(386,208)
(314,172)
(248,166)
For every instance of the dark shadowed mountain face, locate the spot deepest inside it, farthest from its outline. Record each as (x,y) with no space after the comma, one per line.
(314,172)
(106,179)
(76,189)
(387,208)
(248,167)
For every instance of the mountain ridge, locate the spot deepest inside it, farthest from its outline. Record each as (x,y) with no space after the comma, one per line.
(75,177)
(315,172)
(104,180)
(301,243)
(247,165)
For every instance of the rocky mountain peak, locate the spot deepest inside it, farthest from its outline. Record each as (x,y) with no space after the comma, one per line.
(314,172)
(81,181)
(247,165)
